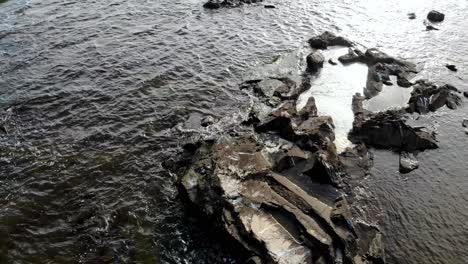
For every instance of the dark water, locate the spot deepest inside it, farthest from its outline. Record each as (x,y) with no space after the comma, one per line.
(94,95)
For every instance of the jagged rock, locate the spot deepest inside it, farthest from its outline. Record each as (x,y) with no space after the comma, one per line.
(315,61)
(327,39)
(215,4)
(426,97)
(435,16)
(408,162)
(310,109)
(451,67)
(386,130)
(353,55)
(411,15)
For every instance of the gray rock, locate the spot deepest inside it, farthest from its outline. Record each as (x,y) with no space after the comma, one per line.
(408,162)
(411,15)
(465,94)
(332,62)
(315,61)
(435,16)
(431,27)
(353,55)
(465,123)
(327,39)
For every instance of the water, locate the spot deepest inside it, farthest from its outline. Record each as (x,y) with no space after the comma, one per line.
(94,95)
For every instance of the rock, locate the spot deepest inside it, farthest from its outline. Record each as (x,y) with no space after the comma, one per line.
(430,27)
(451,67)
(327,39)
(215,4)
(426,97)
(212,4)
(332,62)
(315,61)
(353,55)
(207,120)
(387,130)
(466,131)
(388,83)
(310,109)
(435,16)
(465,94)
(408,162)
(269,6)
(465,123)
(411,15)
(374,55)
(403,82)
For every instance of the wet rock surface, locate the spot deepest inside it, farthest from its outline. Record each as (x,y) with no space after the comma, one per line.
(408,162)
(275,185)
(215,4)
(327,39)
(315,61)
(435,16)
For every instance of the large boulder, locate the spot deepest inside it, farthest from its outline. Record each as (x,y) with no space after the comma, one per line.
(435,16)
(315,61)
(327,39)
(387,130)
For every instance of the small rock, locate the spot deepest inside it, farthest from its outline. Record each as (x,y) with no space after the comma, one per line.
(408,162)
(269,6)
(466,131)
(430,27)
(435,16)
(465,123)
(315,61)
(207,120)
(412,16)
(451,67)
(465,94)
(332,62)
(403,82)
(388,83)
(212,5)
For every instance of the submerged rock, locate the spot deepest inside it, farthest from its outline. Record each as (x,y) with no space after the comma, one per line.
(315,61)
(435,16)
(327,39)
(408,162)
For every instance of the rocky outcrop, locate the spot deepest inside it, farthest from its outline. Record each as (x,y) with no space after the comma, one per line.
(327,39)
(427,96)
(435,16)
(276,186)
(215,4)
